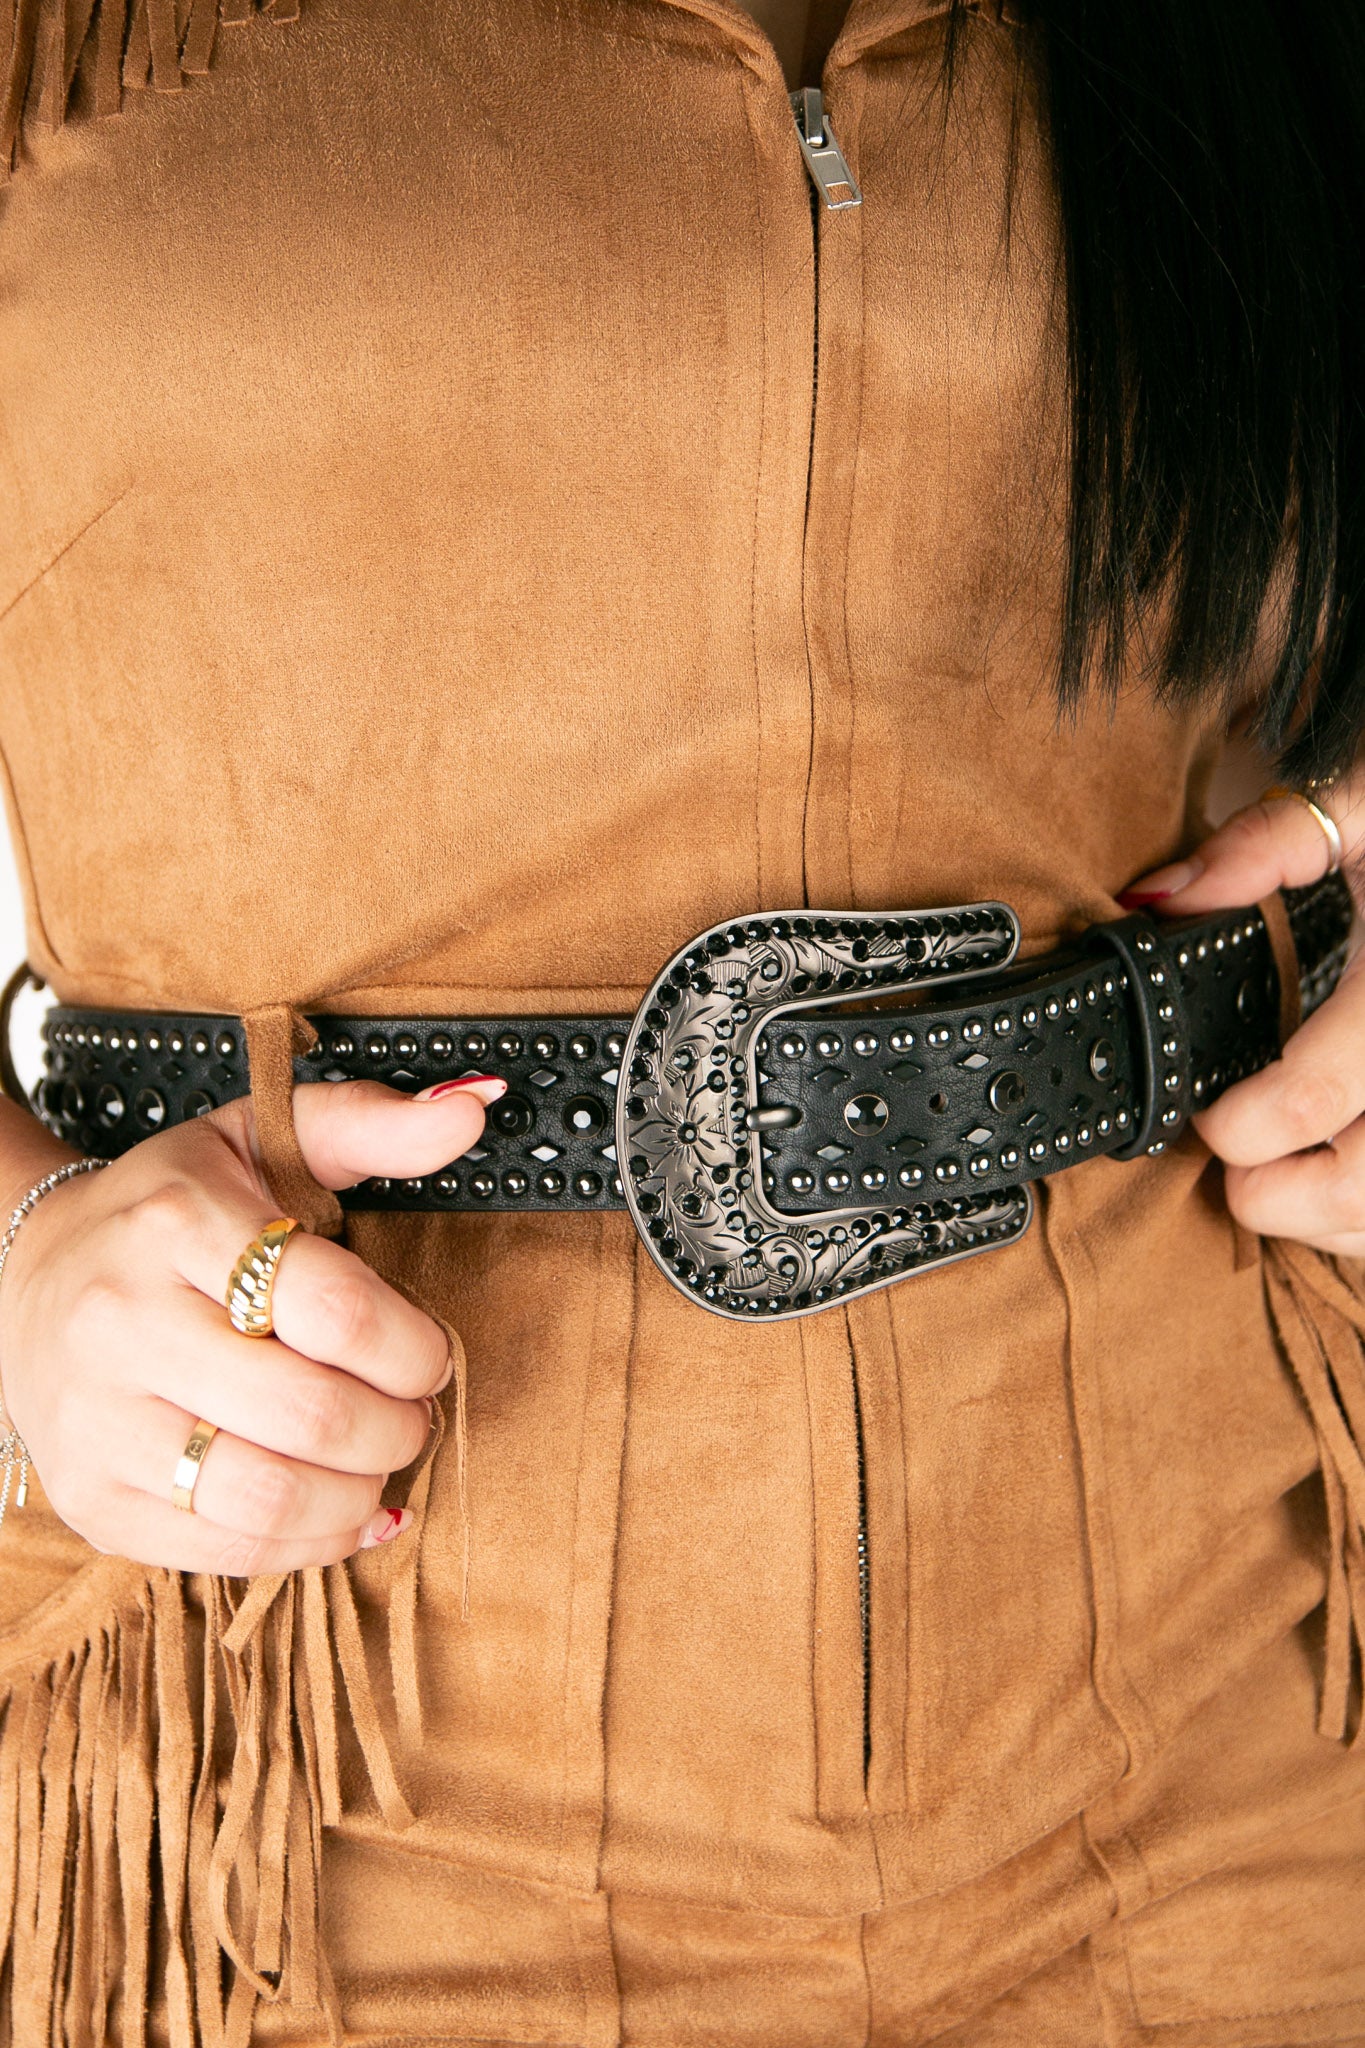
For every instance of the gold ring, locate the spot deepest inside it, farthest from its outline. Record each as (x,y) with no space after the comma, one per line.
(1279,791)
(191,1464)
(252,1285)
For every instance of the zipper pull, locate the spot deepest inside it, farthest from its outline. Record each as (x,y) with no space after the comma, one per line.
(829,171)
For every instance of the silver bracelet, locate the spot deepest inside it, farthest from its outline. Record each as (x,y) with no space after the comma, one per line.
(13,1449)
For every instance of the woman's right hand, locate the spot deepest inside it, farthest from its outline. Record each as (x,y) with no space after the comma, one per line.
(114,1340)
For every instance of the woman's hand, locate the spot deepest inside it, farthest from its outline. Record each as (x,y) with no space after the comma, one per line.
(1293,1136)
(114,1340)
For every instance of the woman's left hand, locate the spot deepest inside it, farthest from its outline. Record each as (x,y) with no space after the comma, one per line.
(1293,1136)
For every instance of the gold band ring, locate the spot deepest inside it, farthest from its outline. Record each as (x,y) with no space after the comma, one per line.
(1331,829)
(252,1284)
(191,1464)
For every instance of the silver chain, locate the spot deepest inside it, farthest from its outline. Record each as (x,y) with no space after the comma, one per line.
(13,1449)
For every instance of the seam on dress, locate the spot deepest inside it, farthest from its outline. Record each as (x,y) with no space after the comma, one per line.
(1114,1686)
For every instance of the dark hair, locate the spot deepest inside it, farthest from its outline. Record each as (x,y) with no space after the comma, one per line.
(1210,173)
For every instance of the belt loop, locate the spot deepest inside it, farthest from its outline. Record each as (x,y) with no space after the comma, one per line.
(1285,954)
(275,1034)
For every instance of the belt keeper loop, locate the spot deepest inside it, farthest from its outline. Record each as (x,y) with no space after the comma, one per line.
(1285,954)
(1153,986)
(275,1034)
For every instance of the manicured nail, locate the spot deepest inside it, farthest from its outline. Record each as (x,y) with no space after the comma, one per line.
(1161,883)
(488,1087)
(387,1524)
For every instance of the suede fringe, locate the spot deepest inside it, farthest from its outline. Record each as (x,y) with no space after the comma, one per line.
(1318,1305)
(131,43)
(158,1818)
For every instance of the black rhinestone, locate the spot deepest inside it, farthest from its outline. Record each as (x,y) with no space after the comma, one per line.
(583,1114)
(198,1103)
(639,1166)
(150,1108)
(1102,1059)
(513,1116)
(109,1106)
(866,1114)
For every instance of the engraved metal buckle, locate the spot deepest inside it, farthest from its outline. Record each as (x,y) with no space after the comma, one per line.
(689,1118)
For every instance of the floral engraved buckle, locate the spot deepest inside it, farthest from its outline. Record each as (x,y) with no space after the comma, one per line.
(689,1119)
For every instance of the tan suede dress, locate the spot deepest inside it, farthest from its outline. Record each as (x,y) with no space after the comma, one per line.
(433,577)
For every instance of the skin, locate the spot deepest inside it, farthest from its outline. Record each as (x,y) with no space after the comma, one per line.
(784,22)
(114,1338)
(1293,1136)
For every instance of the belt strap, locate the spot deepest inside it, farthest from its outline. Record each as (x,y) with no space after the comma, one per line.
(1105,1047)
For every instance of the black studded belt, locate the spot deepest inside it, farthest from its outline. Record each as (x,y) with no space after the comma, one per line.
(779,1141)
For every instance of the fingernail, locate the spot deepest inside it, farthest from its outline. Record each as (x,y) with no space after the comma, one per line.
(387,1524)
(1161,883)
(488,1087)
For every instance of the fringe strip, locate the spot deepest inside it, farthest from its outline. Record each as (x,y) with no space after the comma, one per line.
(132,1772)
(132,43)
(1318,1306)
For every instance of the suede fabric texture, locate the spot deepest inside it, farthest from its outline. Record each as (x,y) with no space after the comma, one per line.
(434,579)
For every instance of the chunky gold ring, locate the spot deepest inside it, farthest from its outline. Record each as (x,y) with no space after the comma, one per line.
(1279,790)
(252,1285)
(191,1464)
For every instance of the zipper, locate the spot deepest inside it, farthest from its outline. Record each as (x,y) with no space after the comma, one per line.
(864,1578)
(826,162)
(834,189)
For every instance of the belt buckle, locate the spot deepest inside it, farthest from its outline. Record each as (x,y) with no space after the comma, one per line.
(689,1118)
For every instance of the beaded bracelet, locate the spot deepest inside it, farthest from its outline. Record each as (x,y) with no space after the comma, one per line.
(13,1449)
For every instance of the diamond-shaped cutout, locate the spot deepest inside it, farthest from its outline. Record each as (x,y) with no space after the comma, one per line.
(611,1077)
(832,1152)
(974,1060)
(607,1152)
(980,1136)
(545,1153)
(543,1077)
(906,1143)
(477,1152)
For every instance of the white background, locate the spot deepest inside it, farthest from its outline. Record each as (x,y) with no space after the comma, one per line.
(28,1011)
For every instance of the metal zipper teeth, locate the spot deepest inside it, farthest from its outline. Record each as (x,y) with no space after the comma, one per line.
(864,1577)
(833,188)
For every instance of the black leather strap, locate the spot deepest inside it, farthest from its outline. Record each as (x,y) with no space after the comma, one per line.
(1103,1048)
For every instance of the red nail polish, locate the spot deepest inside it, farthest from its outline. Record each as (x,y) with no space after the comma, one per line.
(465,1081)
(1134,899)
